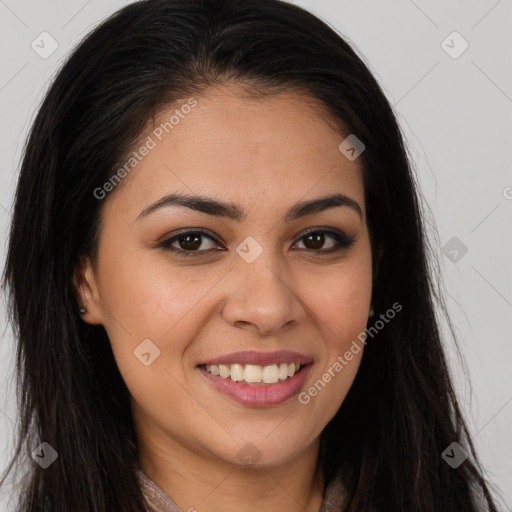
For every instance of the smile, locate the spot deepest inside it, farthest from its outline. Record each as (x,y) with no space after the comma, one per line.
(256,392)
(255,374)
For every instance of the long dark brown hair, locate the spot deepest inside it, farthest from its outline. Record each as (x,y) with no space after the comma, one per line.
(401,411)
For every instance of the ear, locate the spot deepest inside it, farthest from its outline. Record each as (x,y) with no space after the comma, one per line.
(84,282)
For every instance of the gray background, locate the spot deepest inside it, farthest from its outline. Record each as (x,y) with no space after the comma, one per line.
(456,114)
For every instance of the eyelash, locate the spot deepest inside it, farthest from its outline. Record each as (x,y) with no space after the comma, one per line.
(343,242)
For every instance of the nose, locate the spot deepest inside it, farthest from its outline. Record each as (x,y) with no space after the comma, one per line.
(262,297)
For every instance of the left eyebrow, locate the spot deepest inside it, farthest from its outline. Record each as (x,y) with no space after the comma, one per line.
(233,211)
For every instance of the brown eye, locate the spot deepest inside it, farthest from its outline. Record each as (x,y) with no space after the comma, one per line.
(314,241)
(189,243)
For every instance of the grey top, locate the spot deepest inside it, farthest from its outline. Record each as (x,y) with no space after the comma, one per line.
(159,501)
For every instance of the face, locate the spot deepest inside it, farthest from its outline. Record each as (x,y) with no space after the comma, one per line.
(187,295)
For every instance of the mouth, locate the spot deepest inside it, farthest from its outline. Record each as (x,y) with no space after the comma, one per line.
(257,385)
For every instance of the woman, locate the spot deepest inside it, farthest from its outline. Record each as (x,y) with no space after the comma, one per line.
(219,280)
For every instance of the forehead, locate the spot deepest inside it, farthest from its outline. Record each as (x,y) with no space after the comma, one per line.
(276,148)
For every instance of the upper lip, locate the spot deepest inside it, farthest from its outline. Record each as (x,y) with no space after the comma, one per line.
(260,358)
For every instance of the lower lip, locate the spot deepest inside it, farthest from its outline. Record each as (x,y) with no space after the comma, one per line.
(259,395)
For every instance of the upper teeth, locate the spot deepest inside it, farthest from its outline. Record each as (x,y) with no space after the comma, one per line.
(254,373)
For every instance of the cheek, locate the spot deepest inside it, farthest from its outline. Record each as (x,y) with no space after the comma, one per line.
(147,298)
(158,394)
(340,303)
(329,390)
(340,300)
(332,378)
